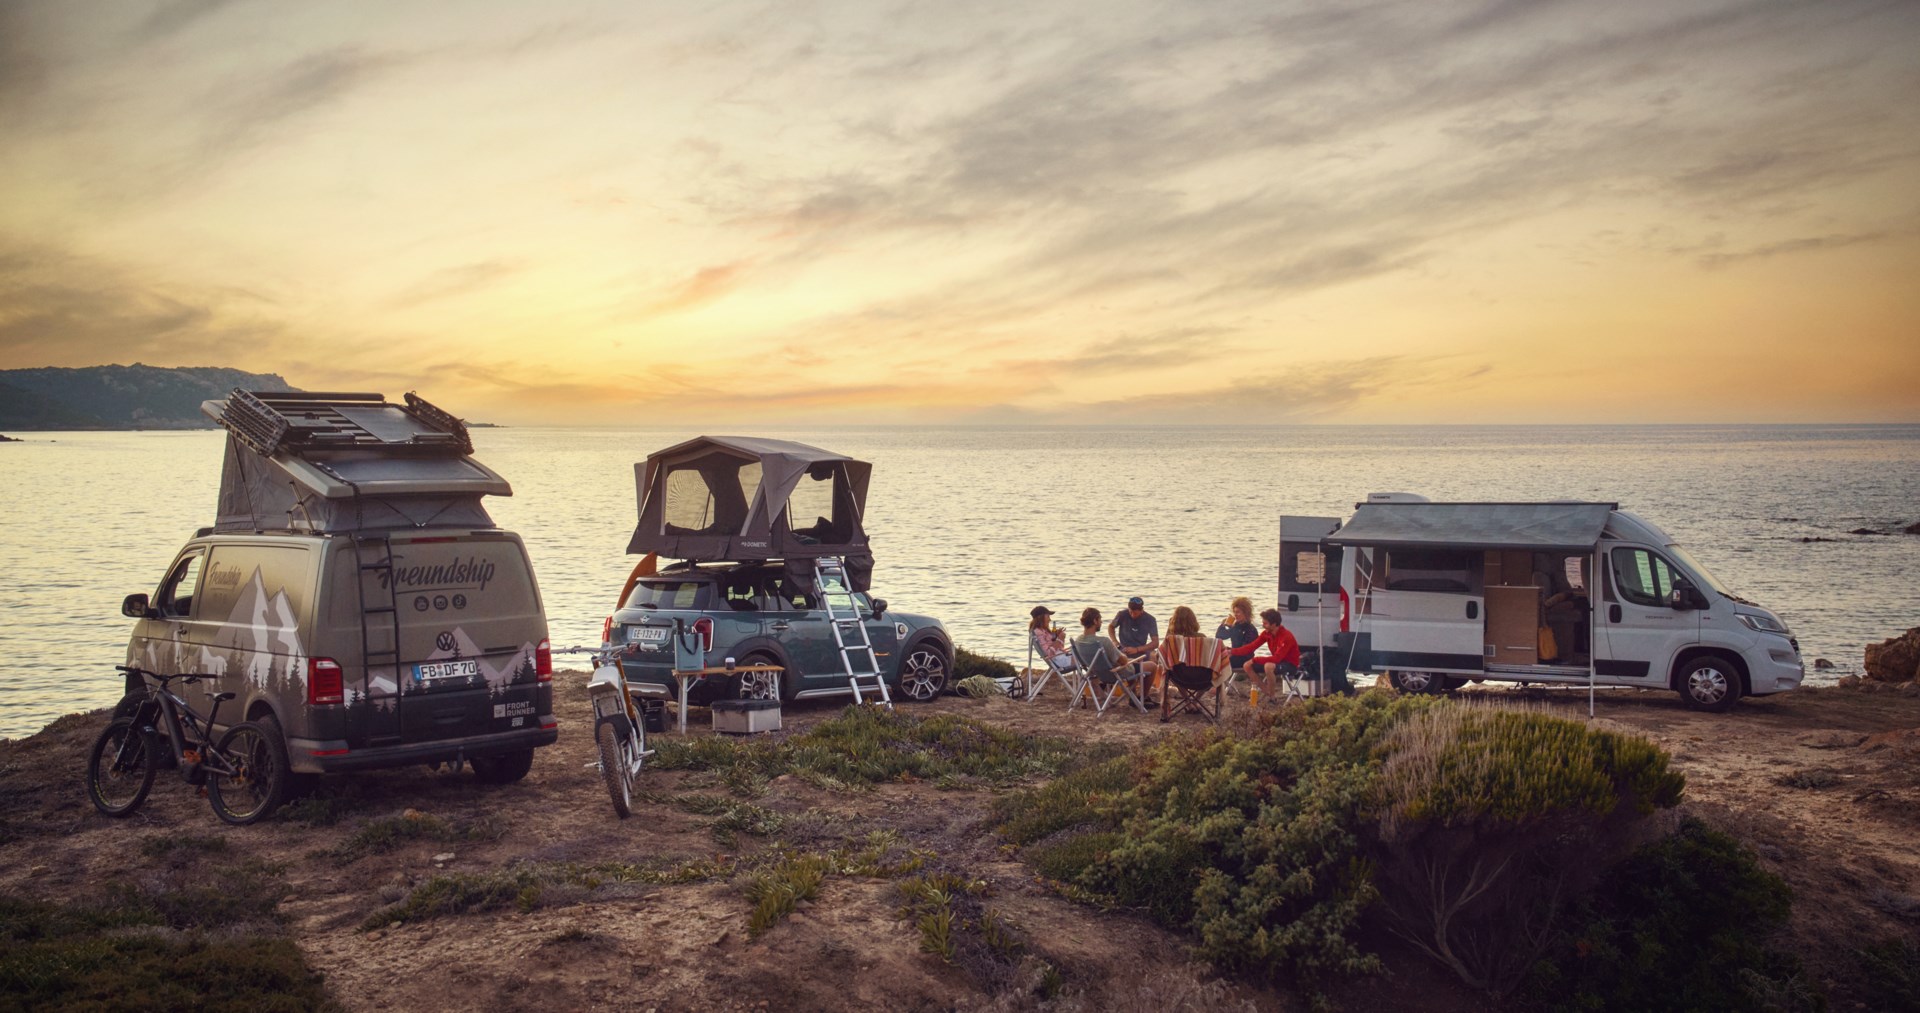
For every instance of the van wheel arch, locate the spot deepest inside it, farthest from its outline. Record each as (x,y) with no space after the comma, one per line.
(1689,662)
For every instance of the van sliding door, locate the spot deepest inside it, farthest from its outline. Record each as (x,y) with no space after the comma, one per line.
(1428,631)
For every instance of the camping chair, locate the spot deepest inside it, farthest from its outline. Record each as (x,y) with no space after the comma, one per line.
(1197,667)
(1031,684)
(1094,666)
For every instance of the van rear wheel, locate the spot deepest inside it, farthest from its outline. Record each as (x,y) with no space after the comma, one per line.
(1415,682)
(1708,683)
(502,768)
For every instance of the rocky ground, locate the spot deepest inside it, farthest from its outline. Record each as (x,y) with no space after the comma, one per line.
(1825,784)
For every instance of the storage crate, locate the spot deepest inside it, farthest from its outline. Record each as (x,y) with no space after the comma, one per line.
(746,717)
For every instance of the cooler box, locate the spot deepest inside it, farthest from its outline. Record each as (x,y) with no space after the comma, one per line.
(746,717)
(1310,686)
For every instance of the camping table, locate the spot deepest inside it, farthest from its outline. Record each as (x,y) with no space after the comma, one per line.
(686,676)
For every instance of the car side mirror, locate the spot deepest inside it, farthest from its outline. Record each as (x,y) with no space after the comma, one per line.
(136,606)
(1682,596)
(879,607)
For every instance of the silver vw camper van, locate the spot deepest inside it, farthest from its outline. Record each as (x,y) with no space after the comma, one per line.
(353,593)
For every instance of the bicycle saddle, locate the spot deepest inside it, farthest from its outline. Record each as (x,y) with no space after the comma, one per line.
(218,697)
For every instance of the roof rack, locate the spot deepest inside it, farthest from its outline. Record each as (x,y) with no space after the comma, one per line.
(270,421)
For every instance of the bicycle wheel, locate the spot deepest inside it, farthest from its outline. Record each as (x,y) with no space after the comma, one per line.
(613,770)
(259,778)
(120,768)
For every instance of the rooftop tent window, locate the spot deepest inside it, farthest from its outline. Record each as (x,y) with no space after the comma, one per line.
(709,495)
(813,509)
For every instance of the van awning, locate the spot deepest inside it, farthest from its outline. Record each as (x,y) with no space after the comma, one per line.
(1569,527)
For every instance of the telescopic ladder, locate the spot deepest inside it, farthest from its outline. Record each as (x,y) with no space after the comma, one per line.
(379,618)
(849,629)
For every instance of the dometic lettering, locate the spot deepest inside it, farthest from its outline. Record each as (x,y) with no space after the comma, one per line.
(472,572)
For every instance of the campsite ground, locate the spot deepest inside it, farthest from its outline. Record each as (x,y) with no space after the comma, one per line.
(1823,783)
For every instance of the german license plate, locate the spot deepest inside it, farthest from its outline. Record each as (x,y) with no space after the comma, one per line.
(429,671)
(654,634)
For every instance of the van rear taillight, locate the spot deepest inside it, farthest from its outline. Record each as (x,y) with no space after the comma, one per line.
(543,661)
(324,682)
(704,627)
(606,632)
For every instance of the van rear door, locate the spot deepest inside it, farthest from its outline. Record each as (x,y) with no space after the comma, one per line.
(1310,579)
(470,624)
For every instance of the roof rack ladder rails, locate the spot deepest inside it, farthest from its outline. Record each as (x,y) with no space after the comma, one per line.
(379,611)
(849,630)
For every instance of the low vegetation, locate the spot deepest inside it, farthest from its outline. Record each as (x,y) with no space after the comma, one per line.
(195,928)
(1286,847)
(867,745)
(967,664)
(379,836)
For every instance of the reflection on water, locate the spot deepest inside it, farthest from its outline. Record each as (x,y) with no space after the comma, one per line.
(976,526)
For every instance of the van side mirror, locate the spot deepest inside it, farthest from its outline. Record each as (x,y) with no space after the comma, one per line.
(1683,596)
(135,606)
(879,607)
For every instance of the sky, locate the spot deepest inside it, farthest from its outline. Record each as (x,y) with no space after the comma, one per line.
(980,213)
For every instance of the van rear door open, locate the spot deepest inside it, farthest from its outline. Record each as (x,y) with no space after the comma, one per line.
(470,621)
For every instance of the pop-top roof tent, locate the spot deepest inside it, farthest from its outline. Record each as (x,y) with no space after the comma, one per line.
(342,462)
(1565,527)
(745,499)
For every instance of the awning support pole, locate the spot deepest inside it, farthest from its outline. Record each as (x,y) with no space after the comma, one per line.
(1593,626)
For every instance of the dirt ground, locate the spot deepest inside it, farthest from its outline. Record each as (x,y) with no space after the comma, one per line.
(1845,841)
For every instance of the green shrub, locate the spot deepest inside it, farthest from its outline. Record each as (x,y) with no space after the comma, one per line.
(1489,817)
(379,836)
(967,664)
(776,891)
(1890,975)
(83,957)
(1683,924)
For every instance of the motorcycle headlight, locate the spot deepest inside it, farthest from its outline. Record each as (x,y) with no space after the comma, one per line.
(1765,624)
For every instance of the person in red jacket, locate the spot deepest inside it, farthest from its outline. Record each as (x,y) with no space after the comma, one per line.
(1282,649)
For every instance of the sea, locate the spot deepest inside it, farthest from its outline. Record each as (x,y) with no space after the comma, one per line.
(975,526)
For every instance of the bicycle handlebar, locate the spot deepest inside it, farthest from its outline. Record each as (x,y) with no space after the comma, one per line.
(162,679)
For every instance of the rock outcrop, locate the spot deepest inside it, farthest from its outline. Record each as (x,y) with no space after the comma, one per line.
(1896,660)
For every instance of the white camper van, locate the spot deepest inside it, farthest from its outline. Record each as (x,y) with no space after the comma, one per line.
(1442,593)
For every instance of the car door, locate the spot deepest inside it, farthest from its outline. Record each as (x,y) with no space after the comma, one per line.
(175,641)
(882,633)
(1643,631)
(791,617)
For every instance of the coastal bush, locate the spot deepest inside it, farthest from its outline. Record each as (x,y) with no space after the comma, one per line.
(868,745)
(1489,819)
(1681,923)
(1270,842)
(967,664)
(379,836)
(1890,974)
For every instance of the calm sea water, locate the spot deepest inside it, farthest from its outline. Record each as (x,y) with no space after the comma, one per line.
(975,526)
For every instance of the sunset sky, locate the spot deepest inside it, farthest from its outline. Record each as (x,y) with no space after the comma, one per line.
(803,213)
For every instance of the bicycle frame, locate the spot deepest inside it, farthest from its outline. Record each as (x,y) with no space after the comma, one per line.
(192,746)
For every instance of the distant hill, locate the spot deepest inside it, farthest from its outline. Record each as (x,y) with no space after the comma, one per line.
(119,397)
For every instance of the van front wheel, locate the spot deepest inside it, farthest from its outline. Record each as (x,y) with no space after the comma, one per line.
(1708,683)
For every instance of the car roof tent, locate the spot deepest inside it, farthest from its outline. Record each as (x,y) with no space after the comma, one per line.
(1568,527)
(340,462)
(746,499)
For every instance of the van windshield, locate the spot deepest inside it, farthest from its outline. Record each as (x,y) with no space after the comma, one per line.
(1693,565)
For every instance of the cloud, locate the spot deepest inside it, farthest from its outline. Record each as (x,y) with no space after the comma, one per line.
(1805,244)
(175,15)
(452,282)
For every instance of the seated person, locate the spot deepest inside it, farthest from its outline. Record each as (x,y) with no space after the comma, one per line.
(1090,640)
(1282,649)
(741,595)
(1138,634)
(1237,629)
(1048,641)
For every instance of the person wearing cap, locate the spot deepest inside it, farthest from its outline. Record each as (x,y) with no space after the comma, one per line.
(1049,641)
(1138,634)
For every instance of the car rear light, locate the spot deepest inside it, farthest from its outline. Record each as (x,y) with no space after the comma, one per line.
(704,627)
(325,683)
(543,661)
(1343,610)
(606,632)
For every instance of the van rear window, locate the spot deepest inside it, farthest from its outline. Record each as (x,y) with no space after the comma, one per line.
(665,594)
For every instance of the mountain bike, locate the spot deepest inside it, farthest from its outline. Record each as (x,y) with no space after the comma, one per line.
(619,726)
(244,774)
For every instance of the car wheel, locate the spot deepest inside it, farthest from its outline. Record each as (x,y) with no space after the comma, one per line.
(1708,683)
(502,768)
(763,685)
(1414,682)
(923,674)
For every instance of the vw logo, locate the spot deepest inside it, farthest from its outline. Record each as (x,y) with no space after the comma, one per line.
(444,641)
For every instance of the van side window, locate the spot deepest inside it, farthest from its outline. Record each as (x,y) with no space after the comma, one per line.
(1642,577)
(176,597)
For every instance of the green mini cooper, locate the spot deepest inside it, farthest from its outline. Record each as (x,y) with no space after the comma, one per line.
(754,614)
